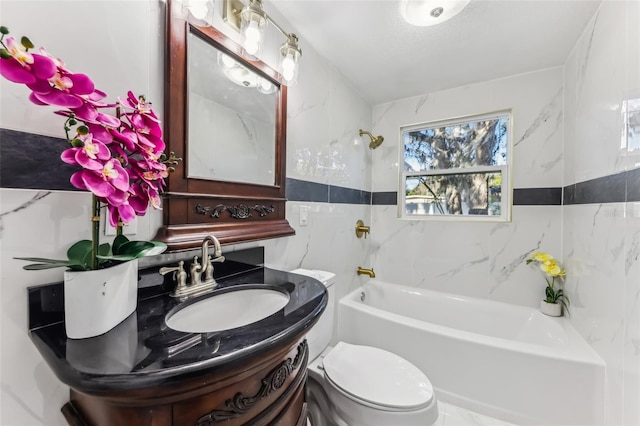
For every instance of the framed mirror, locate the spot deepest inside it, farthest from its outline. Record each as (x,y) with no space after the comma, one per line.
(226,118)
(232,118)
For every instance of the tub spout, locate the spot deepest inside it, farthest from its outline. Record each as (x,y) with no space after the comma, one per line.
(363,271)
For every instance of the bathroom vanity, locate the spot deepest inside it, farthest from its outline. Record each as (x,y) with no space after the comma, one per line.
(144,373)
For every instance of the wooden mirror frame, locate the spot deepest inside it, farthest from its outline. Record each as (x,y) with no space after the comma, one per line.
(233,212)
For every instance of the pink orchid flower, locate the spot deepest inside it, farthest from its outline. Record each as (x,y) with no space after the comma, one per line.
(108,182)
(91,156)
(123,213)
(120,155)
(24,67)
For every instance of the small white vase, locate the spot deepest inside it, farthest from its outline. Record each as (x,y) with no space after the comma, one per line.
(96,301)
(551,309)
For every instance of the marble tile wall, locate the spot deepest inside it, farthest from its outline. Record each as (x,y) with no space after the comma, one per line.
(483,260)
(328,172)
(601,232)
(324,115)
(334,175)
(124,46)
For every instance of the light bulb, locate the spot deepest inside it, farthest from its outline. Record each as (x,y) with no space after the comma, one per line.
(251,47)
(252,33)
(288,74)
(288,67)
(226,61)
(198,8)
(265,86)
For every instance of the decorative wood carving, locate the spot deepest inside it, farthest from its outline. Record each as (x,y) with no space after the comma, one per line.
(182,403)
(240,211)
(276,378)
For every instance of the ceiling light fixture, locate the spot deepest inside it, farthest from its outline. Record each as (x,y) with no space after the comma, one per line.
(241,76)
(251,20)
(423,13)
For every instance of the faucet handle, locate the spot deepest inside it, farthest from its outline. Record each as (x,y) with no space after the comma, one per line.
(208,275)
(180,273)
(362,229)
(166,269)
(196,269)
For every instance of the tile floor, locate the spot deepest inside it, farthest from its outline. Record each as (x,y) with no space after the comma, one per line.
(451,415)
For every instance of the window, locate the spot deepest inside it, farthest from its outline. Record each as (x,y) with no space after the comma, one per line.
(457,169)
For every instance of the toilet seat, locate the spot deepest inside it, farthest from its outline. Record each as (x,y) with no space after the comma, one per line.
(377,378)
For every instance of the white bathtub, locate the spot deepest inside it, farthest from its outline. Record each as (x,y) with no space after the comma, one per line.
(502,360)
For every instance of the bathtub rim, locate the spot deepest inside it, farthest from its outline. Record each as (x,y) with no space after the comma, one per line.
(576,349)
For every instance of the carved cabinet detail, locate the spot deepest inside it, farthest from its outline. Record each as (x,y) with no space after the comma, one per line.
(267,389)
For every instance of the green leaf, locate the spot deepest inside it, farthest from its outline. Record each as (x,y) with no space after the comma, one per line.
(79,267)
(40,266)
(26,42)
(158,248)
(133,247)
(48,263)
(40,259)
(119,257)
(550,293)
(118,242)
(140,248)
(78,251)
(104,249)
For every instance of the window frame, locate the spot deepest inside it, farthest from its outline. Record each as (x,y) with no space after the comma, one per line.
(505,170)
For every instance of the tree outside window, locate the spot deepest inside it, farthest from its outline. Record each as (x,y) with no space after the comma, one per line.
(457,168)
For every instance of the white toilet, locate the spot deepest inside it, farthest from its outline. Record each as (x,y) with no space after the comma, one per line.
(354,385)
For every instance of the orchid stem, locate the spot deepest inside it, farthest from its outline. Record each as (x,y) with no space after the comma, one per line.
(95,237)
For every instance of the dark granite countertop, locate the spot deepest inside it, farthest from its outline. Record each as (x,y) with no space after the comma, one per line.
(142,351)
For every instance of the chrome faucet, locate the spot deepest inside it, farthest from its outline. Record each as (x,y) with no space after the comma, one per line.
(201,274)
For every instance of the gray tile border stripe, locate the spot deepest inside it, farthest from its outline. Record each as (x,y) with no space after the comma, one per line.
(618,188)
(30,161)
(537,196)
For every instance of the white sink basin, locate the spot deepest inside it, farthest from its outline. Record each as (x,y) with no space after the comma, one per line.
(228,310)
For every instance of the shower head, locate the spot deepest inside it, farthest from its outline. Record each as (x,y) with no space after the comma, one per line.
(376,141)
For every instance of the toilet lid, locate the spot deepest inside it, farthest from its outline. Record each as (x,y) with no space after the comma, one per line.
(377,377)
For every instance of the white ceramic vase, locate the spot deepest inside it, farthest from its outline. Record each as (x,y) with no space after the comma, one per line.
(96,301)
(551,309)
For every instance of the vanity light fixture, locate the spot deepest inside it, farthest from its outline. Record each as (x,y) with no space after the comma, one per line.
(423,13)
(251,21)
(289,55)
(376,141)
(200,9)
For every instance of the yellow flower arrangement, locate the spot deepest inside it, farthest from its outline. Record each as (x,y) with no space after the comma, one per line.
(553,270)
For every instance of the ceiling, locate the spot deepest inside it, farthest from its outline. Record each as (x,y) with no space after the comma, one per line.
(386,59)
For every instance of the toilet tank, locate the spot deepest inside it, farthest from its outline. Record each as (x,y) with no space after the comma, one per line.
(320,334)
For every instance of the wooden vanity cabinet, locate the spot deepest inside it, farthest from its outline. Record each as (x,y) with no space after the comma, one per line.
(265,389)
